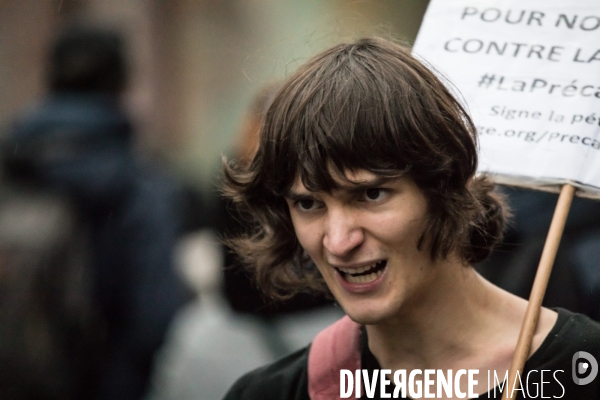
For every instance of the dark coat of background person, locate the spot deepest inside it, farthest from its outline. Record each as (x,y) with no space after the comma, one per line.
(575,280)
(78,143)
(48,327)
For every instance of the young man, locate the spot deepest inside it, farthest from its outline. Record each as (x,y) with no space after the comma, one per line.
(364,186)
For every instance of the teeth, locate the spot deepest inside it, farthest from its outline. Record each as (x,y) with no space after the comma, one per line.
(357,270)
(363,278)
(353,275)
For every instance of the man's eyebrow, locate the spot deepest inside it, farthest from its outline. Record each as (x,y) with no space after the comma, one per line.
(352,188)
(294,196)
(361,186)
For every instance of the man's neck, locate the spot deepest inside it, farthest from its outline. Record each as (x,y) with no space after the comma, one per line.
(450,326)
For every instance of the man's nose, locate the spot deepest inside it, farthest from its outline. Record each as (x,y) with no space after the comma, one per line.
(342,234)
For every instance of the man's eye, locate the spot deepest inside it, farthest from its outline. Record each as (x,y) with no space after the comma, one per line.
(307,204)
(376,194)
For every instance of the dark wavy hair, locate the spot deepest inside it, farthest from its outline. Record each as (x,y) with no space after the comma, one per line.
(367,105)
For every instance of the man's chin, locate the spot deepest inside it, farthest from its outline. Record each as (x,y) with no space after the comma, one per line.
(366,317)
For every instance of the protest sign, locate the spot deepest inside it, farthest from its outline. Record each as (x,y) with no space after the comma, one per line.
(529,74)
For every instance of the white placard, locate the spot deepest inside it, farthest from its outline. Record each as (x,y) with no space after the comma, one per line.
(529,73)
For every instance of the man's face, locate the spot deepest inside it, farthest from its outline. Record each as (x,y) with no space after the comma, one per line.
(363,239)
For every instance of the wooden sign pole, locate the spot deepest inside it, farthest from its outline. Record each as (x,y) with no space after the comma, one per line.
(539,288)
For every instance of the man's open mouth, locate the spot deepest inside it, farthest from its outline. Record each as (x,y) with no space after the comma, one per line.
(365,274)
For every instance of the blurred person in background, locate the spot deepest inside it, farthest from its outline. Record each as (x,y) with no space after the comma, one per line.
(78,142)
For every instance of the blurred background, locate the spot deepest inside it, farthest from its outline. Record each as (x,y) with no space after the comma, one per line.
(195,65)
(113,282)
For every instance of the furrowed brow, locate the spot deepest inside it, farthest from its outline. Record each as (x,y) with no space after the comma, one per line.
(293,196)
(359,187)
(352,188)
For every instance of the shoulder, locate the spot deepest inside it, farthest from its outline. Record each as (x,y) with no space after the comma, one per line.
(577,329)
(571,333)
(284,379)
(573,341)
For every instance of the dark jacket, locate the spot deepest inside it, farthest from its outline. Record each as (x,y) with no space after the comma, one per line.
(80,146)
